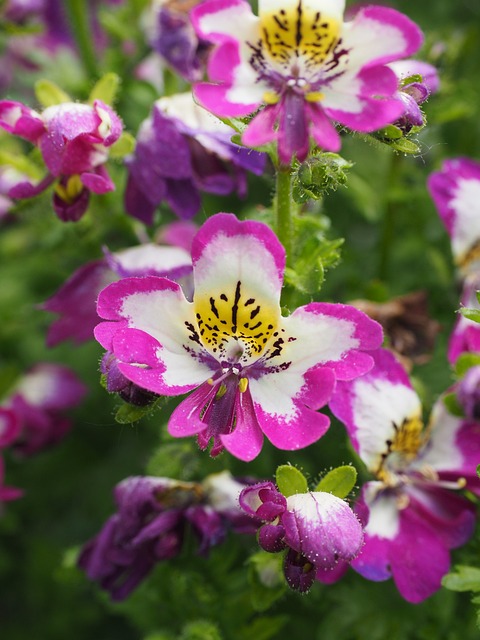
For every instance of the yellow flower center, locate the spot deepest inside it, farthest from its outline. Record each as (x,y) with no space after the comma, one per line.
(409,438)
(236,316)
(299,32)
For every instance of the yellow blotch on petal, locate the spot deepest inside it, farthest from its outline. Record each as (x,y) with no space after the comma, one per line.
(314,96)
(71,190)
(298,32)
(235,313)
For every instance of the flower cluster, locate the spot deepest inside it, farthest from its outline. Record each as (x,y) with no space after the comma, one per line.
(153,516)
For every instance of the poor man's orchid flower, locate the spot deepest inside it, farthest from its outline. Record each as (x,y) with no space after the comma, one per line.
(73,139)
(251,371)
(38,402)
(414,92)
(182,150)
(153,516)
(304,67)
(413,508)
(171,35)
(75,301)
(10,428)
(317,529)
(455,190)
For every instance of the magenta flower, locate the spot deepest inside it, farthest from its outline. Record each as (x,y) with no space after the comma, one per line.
(73,139)
(75,301)
(415,93)
(181,151)
(252,371)
(413,510)
(317,529)
(38,402)
(153,516)
(455,189)
(304,67)
(468,393)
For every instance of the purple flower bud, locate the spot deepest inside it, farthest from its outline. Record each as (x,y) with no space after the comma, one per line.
(118,383)
(468,393)
(322,528)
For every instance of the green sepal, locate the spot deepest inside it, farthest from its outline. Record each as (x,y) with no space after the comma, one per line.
(318,175)
(405,146)
(463,578)
(391,132)
(450,400)
(339,482)
(478,470)
(471,314)
(290,480)
(464,362)
(130,413)
(49,94)
(105,89)
(124,146)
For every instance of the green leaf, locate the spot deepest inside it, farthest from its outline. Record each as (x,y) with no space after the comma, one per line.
(339,481)
(123,146)
(129,413)
(49,94)
(313,254)
(471,314)
(290,480)
(478,470)
(105,89)
(267,582)
(463,578)
(464,362)
(450,400)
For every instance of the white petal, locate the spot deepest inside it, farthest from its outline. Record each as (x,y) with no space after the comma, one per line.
(379,405)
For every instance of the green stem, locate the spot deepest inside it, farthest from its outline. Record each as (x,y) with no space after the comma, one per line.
(283,208)
(80,24)
(388,229)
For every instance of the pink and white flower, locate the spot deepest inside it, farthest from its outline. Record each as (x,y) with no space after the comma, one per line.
(413,511)
(37,405)
(455,189)
(73,139)
(251,371)
(316,528)
(75,301)
(305,67)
